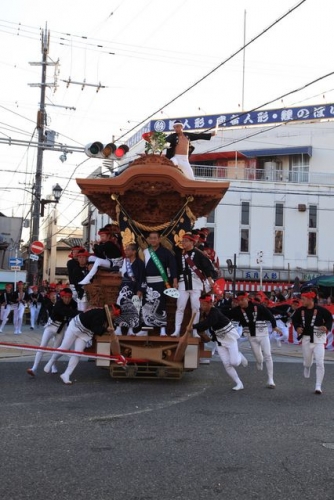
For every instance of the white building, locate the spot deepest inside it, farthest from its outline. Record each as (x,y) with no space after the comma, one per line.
(280,201)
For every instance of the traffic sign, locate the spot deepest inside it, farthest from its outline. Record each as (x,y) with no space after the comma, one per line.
(37,247)
(33,257)
(15,261)
(15,268)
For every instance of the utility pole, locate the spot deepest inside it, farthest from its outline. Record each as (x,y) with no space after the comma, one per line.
(41,120)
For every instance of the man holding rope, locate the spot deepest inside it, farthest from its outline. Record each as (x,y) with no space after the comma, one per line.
(81,330)
(61,313)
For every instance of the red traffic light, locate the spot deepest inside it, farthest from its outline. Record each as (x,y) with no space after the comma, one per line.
(121,151)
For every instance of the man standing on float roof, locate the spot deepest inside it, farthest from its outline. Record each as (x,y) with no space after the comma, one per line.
(180,147)
(312,323)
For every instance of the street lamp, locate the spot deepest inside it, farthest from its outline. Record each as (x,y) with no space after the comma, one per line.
(38,211)
(56,191)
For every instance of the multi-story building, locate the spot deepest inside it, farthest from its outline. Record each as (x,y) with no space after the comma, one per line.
(276,216)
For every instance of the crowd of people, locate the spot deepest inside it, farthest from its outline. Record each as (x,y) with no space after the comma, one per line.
(260,320)
(188,274)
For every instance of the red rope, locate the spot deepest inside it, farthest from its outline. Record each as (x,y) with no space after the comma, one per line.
(119,359)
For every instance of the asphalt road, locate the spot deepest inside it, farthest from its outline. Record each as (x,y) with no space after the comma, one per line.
(190,439)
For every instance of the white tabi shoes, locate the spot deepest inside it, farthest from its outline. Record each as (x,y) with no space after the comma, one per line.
(238,387)
(66,379)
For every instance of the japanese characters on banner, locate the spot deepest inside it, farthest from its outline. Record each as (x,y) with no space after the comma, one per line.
(247,118)
(260,117)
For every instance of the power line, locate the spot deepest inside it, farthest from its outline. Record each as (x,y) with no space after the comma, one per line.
(217,67)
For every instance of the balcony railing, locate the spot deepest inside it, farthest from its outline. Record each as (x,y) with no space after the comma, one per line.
(302,175)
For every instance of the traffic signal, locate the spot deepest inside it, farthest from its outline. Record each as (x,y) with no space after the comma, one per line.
(259,259)
(110,150)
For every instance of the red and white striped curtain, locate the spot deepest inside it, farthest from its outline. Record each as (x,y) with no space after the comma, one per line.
(249,286)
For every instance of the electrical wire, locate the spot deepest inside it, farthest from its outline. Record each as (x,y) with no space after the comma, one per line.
(217,67)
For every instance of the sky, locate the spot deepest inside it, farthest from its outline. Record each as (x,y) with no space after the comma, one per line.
(145,54)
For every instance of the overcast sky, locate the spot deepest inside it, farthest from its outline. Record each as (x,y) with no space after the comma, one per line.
(146,53)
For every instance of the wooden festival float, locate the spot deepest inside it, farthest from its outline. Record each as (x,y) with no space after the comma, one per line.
(151,194)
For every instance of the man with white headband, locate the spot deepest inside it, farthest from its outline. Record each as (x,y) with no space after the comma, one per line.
(312,322)
(180,147)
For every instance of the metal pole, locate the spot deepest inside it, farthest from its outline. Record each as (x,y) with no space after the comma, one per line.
(243,67)
(234,273)
(41,117)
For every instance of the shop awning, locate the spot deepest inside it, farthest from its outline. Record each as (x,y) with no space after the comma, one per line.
(296,150)
(219,155)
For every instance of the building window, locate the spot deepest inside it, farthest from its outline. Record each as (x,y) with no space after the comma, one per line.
(278,241)
(312,218)
(279,215)
(244,240)
(210,224)
(244,234)
(312,243)
(299,168)
(245,213)
(312,234)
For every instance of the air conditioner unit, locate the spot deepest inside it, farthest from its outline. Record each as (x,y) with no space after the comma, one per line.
(301,208)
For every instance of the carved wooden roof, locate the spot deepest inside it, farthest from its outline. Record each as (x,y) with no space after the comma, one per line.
(152,189)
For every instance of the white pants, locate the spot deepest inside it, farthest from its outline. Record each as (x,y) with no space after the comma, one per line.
(316,351)
(230,355)
(5,312)
(49,333)
(34,312)
(18,317)
(182,161)
(98,262)
(285,331)
(182,303)
(262,352)
(82,303)
(73,336)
